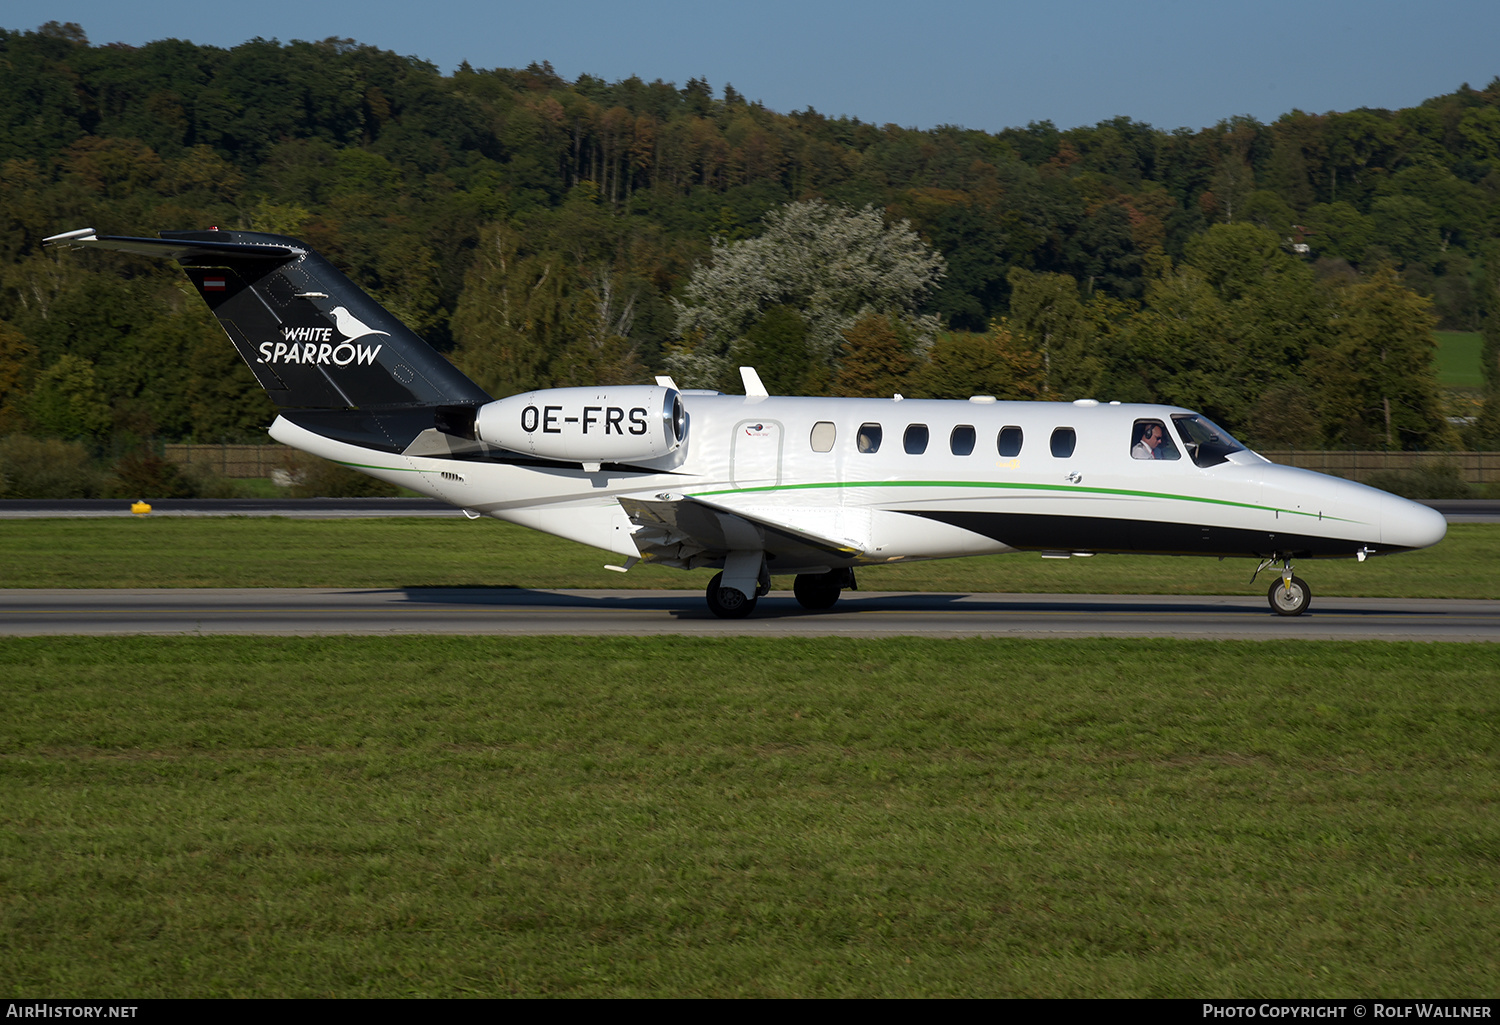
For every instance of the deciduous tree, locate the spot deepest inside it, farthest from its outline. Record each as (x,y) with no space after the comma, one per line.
(1375,373)
(832,264)
(964,363)
(1047,314)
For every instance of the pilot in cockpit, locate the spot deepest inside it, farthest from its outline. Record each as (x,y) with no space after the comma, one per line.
(1152,442)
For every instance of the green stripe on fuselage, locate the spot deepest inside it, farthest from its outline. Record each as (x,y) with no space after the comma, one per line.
(1007,486)
(988,485)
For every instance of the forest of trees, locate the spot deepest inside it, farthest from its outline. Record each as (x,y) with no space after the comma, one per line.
(1283,278)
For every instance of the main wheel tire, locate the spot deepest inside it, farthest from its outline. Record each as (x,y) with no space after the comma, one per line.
(728,602)
(1291,602)
(817,591)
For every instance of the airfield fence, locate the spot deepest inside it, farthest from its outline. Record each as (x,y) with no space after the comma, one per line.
(240,461)
(1475,467)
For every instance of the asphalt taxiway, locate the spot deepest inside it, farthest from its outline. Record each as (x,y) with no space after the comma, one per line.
(520,611)
(497,611)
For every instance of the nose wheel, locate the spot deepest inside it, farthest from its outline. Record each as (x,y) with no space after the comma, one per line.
(1289,596)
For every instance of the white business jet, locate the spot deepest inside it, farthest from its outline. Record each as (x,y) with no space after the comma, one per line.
(755,484)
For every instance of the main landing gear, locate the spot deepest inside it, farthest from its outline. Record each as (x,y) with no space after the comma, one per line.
(729,602)
(819,591)
(814,591)
(1289,596)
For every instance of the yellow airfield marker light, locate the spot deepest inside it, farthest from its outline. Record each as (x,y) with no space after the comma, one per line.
(139,507)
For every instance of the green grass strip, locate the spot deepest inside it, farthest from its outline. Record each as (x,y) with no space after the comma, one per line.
(456,552)
(1460,362)
(694,817)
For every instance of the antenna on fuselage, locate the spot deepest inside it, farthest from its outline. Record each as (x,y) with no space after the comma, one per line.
(753,388)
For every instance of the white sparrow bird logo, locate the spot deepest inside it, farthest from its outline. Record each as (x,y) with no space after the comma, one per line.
(351,327)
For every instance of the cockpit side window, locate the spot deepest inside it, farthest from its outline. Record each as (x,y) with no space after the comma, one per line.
(868,439)
(1207,443)
(1150,439)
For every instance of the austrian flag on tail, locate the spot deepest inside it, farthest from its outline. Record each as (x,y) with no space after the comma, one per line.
(213,284)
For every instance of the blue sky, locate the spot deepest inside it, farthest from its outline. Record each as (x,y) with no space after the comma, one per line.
(1170,63)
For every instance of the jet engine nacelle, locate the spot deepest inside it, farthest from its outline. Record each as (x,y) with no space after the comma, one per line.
(626,424)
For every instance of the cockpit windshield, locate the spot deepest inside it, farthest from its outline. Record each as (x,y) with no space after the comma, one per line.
(1207,443)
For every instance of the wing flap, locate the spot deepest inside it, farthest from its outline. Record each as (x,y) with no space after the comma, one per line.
(680,529)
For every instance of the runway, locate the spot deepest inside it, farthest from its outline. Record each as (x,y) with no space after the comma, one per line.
(517,611)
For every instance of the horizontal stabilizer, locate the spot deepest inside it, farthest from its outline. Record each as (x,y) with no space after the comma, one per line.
(185,250)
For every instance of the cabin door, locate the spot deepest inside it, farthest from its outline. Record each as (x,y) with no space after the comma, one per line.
(757,453)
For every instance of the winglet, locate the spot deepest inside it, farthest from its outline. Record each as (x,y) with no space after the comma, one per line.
(67,236)
(753,388)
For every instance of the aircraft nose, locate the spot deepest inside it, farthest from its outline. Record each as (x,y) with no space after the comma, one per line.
(1407,524)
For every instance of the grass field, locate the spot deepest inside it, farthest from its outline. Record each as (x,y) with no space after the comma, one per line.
(233,552)
(1458,359)
(683,816)
(451,816)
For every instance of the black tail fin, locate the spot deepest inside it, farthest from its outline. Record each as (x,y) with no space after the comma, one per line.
(320,346)
(313,339)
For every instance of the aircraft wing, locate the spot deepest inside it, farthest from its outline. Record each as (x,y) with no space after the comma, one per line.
(677,528)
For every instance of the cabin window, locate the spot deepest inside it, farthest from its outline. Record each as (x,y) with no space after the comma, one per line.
(1150,439)
(915,439)
(869,437)
(1009,442)
(823,433)
(961,441)
(1064,440)
(1207,443)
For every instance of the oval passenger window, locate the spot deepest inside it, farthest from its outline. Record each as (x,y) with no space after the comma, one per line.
(823,433)
(1063,442)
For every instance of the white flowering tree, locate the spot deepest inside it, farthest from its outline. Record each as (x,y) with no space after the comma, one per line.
(831,264)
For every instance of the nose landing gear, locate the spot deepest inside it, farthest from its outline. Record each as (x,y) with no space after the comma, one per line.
(1289,596)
